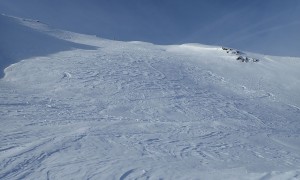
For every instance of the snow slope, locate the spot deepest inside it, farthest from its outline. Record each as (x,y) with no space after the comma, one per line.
(134,110)
(20,42)
(268,27)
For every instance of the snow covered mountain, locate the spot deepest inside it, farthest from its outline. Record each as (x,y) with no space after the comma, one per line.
(82,107)
(20,42)
(267,27)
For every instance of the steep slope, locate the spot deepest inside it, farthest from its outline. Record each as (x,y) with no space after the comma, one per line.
(20,42)
(258,26)
(130,110)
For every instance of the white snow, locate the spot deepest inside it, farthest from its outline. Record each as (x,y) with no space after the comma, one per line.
(267,27)
(101,109)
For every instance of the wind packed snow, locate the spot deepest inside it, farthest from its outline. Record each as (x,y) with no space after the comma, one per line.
(262,26)
(103,109)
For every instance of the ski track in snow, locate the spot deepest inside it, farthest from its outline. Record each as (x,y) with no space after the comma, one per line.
(141,111)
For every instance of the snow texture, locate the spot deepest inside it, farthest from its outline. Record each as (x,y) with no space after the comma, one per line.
(267,27)
(107,109)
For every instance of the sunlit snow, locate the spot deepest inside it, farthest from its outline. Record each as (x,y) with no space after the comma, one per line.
(91,108)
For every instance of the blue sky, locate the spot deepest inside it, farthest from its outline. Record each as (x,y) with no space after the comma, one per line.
(263,26)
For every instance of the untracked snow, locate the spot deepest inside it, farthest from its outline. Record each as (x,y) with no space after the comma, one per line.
(266,27)
(134,110)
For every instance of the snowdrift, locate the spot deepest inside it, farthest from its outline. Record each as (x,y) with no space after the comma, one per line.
(130,110)
(266,27)
(20,42)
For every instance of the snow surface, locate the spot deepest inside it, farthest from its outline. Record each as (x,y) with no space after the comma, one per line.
(134,110)
(268,26)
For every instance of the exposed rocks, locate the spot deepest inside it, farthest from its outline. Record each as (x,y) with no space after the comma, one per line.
(240,55)
(232,51)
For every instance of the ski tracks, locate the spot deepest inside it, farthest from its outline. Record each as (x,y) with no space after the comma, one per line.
(116,113)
